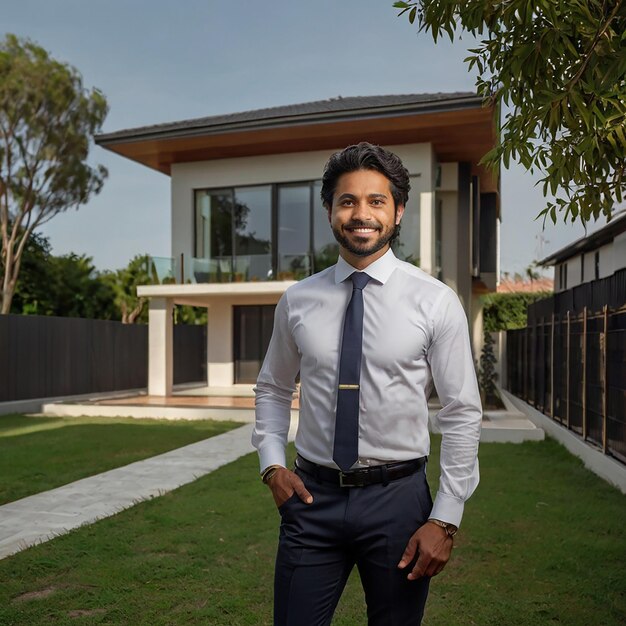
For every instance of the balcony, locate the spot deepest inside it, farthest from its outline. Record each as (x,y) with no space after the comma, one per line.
(242,268)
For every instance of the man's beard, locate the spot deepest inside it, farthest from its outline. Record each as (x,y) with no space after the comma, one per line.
(365,249)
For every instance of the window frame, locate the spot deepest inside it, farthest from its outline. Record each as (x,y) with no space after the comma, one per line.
(274,210)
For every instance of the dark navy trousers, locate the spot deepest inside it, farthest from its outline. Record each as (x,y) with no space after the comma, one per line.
(369,527)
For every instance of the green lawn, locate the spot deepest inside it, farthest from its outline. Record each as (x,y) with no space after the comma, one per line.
(40,453)
(543,542)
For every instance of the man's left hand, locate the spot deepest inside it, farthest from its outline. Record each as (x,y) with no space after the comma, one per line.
(433,546)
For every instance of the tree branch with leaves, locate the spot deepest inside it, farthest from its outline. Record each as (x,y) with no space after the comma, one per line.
(47,121)
(124,283)
(557,73)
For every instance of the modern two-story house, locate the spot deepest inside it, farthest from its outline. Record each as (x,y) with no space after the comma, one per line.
(247,218)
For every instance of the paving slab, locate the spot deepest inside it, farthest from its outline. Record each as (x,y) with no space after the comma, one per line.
(46,515)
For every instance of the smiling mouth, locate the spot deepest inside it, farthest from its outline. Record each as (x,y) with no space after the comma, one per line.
(361,230)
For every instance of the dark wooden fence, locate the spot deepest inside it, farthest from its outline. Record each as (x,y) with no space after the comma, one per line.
(571,364)
(55,356)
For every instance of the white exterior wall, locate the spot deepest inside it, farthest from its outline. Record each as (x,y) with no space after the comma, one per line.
(573,272)
(427,212)
(619,252)
(447,199)
(160,344)
(449,177)
(612,258)
(449,219)
(220,358)
(607,264)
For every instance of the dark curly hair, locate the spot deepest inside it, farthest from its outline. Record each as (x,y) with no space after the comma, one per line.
(366,156)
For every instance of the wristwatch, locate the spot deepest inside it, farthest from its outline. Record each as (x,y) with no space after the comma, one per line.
(451,529)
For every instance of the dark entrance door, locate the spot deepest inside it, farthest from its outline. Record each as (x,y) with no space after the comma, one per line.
(252,333)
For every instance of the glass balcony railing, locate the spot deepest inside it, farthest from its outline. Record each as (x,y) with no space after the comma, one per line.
(163,270)
(294,266)
(242,268)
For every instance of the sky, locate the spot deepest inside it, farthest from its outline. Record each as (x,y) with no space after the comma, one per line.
(159,61)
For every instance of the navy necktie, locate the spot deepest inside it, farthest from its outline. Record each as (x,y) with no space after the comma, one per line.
(346,448)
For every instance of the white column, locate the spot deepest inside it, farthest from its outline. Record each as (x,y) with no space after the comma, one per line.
(427,214)
(427,231)
(160,347)
(475,320)
(220,361)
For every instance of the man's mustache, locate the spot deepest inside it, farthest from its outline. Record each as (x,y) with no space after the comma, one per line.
(362,224)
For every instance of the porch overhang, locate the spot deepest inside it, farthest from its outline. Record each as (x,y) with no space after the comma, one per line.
(205,293)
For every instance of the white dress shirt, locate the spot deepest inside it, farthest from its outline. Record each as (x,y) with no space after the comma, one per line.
(415,334)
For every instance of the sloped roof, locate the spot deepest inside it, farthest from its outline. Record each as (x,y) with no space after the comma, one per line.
(508,285)
(338,107)
(606,234)
(459,127)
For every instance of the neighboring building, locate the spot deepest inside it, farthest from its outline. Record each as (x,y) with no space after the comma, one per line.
(589,258)
(247,219)
(520,285)
(570,360)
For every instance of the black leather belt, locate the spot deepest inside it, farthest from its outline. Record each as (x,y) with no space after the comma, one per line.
(361,477)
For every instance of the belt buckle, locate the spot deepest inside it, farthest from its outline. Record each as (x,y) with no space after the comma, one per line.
(354,477)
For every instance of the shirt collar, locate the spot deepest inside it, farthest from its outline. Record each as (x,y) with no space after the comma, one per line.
(380,270)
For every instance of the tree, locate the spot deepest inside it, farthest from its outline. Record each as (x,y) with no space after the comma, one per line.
(32,290)
(124,284)
(65,286)
(190,315)
(531,272)
(487,374)
(505,311)
(47,120)
(77,289)
(560,68)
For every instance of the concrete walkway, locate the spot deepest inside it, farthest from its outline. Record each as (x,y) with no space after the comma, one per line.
(42,517)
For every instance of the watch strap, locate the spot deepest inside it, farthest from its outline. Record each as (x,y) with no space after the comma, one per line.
(450,529)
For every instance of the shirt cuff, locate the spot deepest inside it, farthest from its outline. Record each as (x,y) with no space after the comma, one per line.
(272,454)
(448,509)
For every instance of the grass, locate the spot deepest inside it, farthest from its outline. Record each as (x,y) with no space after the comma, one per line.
(542,542)
(40,453)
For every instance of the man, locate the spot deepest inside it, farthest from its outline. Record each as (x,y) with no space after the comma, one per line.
(369,336)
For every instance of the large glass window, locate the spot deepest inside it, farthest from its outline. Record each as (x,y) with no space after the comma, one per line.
(277,231)
(253,233)
(233,235)
(294,231)
(325,247)
(407,247)
(214,236)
